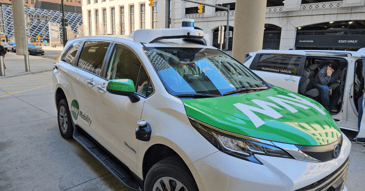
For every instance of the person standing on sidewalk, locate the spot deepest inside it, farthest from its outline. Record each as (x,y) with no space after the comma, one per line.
(2,53)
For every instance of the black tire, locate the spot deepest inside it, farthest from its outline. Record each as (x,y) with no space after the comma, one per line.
(171,167)
(64,120)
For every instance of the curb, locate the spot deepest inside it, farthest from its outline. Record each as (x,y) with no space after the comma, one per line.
(3,77)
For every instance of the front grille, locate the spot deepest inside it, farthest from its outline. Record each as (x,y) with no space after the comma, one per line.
(322,153)
(333,182)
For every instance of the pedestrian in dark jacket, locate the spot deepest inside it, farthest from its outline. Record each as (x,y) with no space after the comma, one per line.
(2,53)
(327,82)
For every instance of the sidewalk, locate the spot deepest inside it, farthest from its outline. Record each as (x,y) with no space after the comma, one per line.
(15,65)
(52,48)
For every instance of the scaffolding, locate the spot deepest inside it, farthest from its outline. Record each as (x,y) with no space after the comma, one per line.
(38,21)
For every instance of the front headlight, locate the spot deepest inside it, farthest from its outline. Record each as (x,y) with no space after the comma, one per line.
(241,147)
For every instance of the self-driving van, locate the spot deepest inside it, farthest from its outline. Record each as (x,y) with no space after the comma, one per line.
(164,111)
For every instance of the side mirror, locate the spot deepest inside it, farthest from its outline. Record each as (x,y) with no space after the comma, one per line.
(123,87)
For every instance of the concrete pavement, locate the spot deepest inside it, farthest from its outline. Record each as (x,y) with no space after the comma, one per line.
(52,53)
(33,155)
(15,65)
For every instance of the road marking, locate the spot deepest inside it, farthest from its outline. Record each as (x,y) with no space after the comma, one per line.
(20,85)
(28,81)
(12,93)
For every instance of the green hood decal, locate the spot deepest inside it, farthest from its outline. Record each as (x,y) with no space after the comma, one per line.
(275,114)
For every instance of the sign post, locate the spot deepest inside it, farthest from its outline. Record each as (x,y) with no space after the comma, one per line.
(221,36)
(54,34)
(2,69)
(63,25)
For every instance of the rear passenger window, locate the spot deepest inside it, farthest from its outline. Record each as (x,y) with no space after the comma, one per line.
(92,56)
(71,52)
(124,64)
(279,63)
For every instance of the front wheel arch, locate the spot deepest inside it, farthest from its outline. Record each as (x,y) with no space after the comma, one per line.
(155,154)
(171,172)
(59,95)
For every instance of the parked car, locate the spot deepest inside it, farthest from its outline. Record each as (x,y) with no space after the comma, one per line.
(295,70)
(34,50)
(163,111)
(12,44)
(6,46)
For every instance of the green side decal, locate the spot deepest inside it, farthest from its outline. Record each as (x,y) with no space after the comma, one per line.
(75,109)
(275,114)
(76,112)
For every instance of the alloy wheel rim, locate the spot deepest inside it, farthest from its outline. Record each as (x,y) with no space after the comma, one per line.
(168,184)
(63,119)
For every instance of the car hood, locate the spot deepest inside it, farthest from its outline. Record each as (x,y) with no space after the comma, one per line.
(275,114)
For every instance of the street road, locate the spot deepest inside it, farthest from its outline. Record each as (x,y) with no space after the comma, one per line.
(53,54)
(33,155)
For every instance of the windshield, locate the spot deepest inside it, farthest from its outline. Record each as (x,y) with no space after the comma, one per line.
(200,70)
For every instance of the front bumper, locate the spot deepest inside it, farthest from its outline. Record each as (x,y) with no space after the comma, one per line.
(220,171)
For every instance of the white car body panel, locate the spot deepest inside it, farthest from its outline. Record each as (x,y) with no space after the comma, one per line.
(219,172)
(85,98)
(290,82)
(116,119)
(170,130)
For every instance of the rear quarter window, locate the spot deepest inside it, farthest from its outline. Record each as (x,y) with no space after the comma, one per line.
(70,54)
(279,63)
(92,56)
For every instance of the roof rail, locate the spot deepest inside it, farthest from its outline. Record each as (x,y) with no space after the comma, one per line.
(187,38)
(154,35)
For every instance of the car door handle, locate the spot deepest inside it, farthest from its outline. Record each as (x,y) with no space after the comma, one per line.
(90,83)
(101,89)
(290,80)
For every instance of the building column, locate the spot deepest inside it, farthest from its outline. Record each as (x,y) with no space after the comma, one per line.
(292,5)
(162,14)
(249,25)
(177,13)
(288,36)
(137,16)
(148,17)
(353,3)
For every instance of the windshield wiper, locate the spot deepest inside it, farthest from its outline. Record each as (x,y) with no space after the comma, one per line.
(241,90)
(198,95)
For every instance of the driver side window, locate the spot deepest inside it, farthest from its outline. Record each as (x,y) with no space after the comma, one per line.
(124,64)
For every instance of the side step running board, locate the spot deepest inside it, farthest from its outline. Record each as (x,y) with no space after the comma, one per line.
(118,169)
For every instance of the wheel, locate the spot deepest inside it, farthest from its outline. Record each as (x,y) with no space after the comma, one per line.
(170,174)
(64,120)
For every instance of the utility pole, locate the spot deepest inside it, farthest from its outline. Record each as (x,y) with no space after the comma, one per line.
(20,32)
(221,8)
(63,25)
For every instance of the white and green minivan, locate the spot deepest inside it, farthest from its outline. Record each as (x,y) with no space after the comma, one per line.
(164,111)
